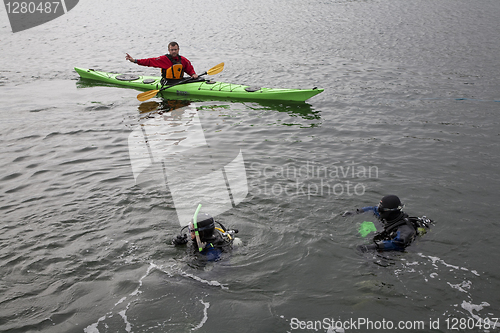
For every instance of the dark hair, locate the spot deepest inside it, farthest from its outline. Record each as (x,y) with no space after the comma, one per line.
(173,44)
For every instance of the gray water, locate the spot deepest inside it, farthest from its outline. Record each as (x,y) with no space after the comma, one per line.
(410,105)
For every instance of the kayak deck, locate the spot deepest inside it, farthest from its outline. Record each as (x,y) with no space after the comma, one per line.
(200,88)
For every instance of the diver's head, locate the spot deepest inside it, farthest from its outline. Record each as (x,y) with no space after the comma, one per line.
(206,226)
(390,208)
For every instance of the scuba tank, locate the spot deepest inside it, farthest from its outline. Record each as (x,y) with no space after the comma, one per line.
(208,236)
(421,224)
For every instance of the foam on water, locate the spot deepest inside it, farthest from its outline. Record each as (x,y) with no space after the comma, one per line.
(170,270)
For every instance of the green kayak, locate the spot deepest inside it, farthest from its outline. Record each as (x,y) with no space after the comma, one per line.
(200,88)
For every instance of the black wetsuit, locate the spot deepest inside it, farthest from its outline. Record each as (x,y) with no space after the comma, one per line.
(398,233)
(213,247)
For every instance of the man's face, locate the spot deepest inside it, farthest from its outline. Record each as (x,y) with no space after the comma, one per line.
(173,50)
(191,230)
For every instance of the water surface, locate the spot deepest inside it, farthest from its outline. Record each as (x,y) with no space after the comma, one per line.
(411,97)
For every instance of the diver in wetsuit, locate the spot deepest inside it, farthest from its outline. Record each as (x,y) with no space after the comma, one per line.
(400,230)
(212,240)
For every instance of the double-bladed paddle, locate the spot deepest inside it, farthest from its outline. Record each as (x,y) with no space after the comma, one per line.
(152,93)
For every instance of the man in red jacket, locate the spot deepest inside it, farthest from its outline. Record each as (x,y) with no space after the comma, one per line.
(173,66)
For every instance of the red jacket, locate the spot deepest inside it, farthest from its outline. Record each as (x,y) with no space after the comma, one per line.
(164,62)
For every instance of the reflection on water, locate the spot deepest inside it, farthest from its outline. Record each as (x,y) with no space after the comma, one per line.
(148,106)
(303,110)
(161,107)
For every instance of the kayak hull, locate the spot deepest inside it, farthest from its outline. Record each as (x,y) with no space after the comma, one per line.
(200,88)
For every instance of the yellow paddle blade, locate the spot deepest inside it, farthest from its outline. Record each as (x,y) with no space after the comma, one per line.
(216,69)
(147,95)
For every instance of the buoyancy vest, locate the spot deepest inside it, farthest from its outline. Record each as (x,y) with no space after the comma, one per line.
(175,72)
(218,243)
(419,224)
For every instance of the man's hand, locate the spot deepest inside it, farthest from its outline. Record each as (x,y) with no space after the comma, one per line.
(129,58)
(358,211)
(367,248)
(180,240)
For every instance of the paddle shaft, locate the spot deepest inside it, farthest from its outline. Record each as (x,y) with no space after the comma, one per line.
(180,82)
(151,93)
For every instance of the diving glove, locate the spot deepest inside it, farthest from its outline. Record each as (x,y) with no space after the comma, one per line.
(358,211)
(180,240)
(367,248)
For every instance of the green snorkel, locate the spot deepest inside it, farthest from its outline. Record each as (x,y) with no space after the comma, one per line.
(196,233)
